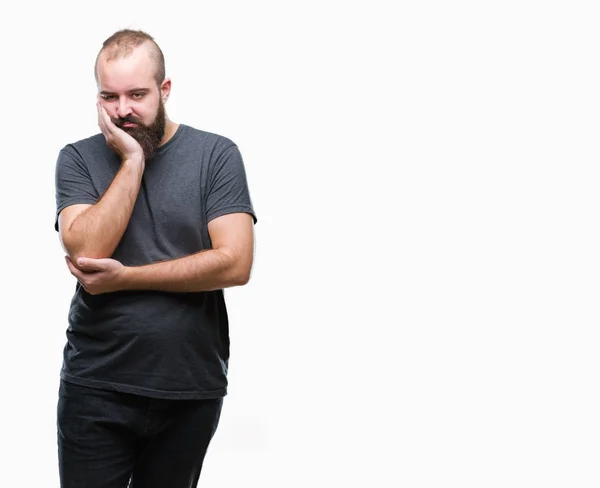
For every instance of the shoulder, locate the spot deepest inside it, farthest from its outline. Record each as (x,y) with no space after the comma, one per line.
(206,139)
(94,144)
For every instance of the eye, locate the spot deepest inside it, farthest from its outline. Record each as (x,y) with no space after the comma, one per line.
(137,96)
(108,98)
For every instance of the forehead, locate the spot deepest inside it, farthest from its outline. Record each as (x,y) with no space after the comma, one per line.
(136,69)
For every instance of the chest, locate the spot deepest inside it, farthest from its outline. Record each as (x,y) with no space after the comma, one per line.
(169,217)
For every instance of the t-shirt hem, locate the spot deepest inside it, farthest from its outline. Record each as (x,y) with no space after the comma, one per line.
(232,209)
(146,392)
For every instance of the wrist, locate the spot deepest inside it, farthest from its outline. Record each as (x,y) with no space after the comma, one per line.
(134,160)
(127,278)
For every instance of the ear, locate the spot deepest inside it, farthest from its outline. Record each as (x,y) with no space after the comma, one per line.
(165,89)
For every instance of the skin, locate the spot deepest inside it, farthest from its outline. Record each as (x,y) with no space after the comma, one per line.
(90,233)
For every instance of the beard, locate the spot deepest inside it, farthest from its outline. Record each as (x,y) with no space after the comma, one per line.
(148,136)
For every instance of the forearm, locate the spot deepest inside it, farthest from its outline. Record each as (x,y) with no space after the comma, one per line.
(97,231)
(203,271)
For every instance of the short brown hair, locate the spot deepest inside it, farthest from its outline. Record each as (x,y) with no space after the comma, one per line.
(124,41)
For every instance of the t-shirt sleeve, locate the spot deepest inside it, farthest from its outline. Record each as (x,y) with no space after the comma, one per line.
(228,187)
(72,181)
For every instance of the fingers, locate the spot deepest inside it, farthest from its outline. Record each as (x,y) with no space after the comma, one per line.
(118,139)
(108,128)
(106,125)
(90,265)
(96,275)
(85,266)
(74,271)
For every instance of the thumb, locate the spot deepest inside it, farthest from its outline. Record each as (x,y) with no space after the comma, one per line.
(91,264)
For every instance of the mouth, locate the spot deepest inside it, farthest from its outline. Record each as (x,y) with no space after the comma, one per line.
(129,125)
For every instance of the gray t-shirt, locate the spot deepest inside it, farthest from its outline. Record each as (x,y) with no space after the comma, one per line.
(158,344)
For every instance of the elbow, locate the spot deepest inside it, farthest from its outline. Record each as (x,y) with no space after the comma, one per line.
(242,277)
(71,251)
(75,253)
(74,257)
(71,247)
(76,250)
(237,270)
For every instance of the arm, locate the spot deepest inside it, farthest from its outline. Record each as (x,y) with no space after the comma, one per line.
(95,230)
(227,264)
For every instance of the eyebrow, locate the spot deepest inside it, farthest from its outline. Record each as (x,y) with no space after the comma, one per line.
(134,90)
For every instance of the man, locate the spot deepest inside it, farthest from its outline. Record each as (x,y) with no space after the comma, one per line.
(156,220)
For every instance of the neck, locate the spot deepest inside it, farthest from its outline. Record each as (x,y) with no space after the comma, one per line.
(170,128)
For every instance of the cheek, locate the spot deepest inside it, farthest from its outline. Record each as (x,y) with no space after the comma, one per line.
(111,109)
(147,113)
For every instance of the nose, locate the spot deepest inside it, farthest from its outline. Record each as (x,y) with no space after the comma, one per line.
(123,108)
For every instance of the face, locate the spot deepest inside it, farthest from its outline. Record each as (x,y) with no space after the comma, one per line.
(131,97)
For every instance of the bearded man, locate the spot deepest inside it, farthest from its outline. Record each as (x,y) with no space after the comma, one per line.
(156,220)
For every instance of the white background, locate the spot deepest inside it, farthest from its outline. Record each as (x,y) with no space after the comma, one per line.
(423,310)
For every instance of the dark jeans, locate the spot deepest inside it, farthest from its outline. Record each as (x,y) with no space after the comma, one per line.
(108,439)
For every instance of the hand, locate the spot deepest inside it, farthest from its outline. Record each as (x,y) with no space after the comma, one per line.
(97,275)
(119,140)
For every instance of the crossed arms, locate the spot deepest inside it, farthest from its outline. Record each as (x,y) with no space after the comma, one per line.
(90,234)
(227,264)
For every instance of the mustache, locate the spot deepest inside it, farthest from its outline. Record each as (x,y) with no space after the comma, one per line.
(130,119)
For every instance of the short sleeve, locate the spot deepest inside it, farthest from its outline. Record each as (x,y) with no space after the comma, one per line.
(72,181)
(228,187)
